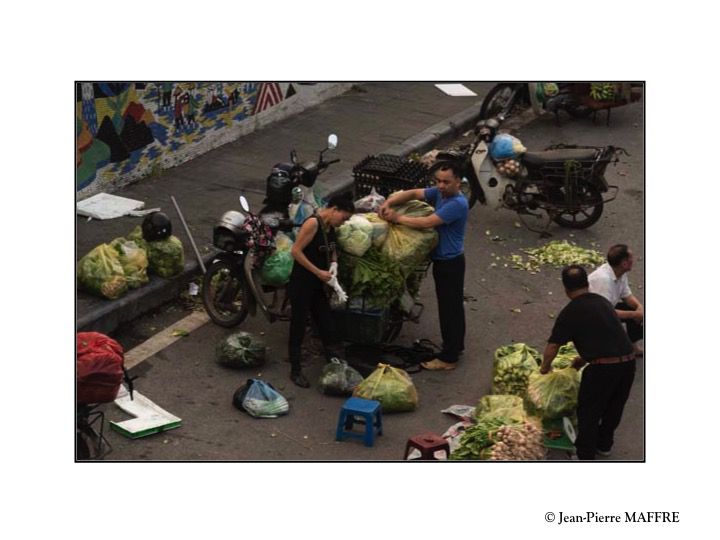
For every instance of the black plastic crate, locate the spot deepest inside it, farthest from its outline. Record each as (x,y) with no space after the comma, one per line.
(387,173)
(360,324)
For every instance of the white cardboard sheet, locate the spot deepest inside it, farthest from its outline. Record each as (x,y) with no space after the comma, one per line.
(106,206)
(456,90)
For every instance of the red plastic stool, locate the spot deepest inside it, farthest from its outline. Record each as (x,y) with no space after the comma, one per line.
(427,444)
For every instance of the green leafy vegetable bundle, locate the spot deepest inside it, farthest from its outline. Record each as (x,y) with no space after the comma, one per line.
(512,367)
(375,277)
(277,268)
(565,356)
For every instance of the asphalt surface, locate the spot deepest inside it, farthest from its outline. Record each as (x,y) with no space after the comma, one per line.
(185,380)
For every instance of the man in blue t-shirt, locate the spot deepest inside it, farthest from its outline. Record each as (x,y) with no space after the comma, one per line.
(450,218)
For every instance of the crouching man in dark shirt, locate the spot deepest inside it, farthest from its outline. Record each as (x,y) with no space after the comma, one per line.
(590,322)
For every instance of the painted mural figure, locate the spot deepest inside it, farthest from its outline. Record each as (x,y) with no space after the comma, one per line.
(179,105)
(166,89)
(191,105)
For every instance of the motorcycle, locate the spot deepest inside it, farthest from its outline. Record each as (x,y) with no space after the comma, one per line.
(289,187)
(232,287)
(567,182)
(579,100)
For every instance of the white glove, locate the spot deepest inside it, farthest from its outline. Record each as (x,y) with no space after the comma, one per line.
(333,283)
(333,268)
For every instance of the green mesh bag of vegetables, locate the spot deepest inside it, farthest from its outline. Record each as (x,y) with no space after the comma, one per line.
(392,387)
(410,247)
(241,350)
(512,367)
(166,258)
(100,272)
(133,260)
(553,395)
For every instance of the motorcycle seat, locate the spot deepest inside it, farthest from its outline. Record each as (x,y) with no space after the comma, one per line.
(536,159)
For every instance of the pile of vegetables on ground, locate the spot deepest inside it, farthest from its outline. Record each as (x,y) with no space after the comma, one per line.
(557,253)
(509,422)
(110,270)
(503,432)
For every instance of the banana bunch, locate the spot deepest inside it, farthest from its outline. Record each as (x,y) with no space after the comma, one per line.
(602,91)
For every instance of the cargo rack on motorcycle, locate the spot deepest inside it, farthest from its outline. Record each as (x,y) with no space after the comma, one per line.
(387,173)
(585,168)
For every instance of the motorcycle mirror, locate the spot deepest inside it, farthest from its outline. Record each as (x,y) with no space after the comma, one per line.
(332,142)
(244,203)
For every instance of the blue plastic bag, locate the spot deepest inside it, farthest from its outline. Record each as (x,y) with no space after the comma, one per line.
(505,146)
(260,399)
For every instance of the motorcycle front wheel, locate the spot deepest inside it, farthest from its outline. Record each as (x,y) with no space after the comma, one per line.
(584,213)
(501,100)
(223,295)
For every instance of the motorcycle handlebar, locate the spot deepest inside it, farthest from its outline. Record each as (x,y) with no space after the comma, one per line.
(331,162)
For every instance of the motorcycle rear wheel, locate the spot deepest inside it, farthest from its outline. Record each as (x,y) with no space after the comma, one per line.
(501,100)
(584,214)
(223,295)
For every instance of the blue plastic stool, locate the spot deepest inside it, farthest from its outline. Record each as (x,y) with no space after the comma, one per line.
(361,411)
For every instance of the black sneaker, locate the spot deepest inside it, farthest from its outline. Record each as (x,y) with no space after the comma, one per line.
(603,453)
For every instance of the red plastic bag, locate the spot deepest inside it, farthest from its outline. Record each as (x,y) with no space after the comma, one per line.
(99,368)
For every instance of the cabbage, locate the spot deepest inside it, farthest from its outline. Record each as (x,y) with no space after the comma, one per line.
(355,236)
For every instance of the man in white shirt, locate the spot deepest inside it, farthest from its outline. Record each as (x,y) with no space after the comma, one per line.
(610,280)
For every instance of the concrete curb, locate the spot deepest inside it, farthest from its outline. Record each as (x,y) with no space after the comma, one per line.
(108,316)
(432,137)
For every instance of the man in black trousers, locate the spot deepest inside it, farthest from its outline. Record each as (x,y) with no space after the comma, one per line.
(591,323)
(448,257)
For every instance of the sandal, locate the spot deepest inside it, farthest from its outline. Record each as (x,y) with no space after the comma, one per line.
(437,365)
(299,379)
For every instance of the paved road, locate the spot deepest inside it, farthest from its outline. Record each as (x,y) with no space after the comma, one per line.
(184,378)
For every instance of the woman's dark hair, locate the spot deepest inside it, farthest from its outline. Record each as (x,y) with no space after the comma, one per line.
(574,277)
(617,254)
(342,202)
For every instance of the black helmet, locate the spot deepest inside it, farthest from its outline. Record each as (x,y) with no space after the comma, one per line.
(156,226)
(487,129)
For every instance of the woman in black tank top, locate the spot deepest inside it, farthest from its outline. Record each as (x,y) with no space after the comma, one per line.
(313,251)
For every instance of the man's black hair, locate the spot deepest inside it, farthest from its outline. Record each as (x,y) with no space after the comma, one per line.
(617,254)
(454,166)
(574,277)
(342,202)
